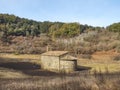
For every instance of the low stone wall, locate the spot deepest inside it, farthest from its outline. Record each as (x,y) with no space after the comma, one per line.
(68,65)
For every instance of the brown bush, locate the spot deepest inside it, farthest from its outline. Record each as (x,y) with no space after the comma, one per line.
(85,56)
(116,58)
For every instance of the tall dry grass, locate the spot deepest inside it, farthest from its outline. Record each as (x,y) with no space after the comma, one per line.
(79,81)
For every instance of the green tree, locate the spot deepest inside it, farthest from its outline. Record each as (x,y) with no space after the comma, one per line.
(54,28)
(4,33)
(114,27)
(44,26)
(69,30)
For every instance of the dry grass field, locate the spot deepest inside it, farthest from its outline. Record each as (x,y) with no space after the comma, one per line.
(13,62)
(23,72)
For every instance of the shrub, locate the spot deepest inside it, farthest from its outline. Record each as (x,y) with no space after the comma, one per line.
(86,56)
(117,58)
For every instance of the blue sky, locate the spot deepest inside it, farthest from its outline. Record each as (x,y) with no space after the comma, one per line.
(91,12)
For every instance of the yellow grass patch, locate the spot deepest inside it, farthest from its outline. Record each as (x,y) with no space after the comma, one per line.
(9,73)
(26,57)
(103,65)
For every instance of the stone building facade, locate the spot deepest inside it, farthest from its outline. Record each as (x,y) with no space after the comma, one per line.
(58,61)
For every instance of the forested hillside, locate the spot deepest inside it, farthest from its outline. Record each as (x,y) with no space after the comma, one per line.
(20,35)
(14,25)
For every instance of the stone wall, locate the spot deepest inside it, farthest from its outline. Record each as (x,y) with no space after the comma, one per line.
(68,65)
(50,63)
(58,64)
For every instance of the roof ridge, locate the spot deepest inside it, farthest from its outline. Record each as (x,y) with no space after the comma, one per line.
(55,53)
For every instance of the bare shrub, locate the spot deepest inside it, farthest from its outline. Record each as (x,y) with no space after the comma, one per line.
(85,43)
(118,48)
(116,58)
(85,56)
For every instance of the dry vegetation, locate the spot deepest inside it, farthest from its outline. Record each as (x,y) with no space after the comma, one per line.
(86,43)
(98,63)
(91,42)
(78,82)
(22,72)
